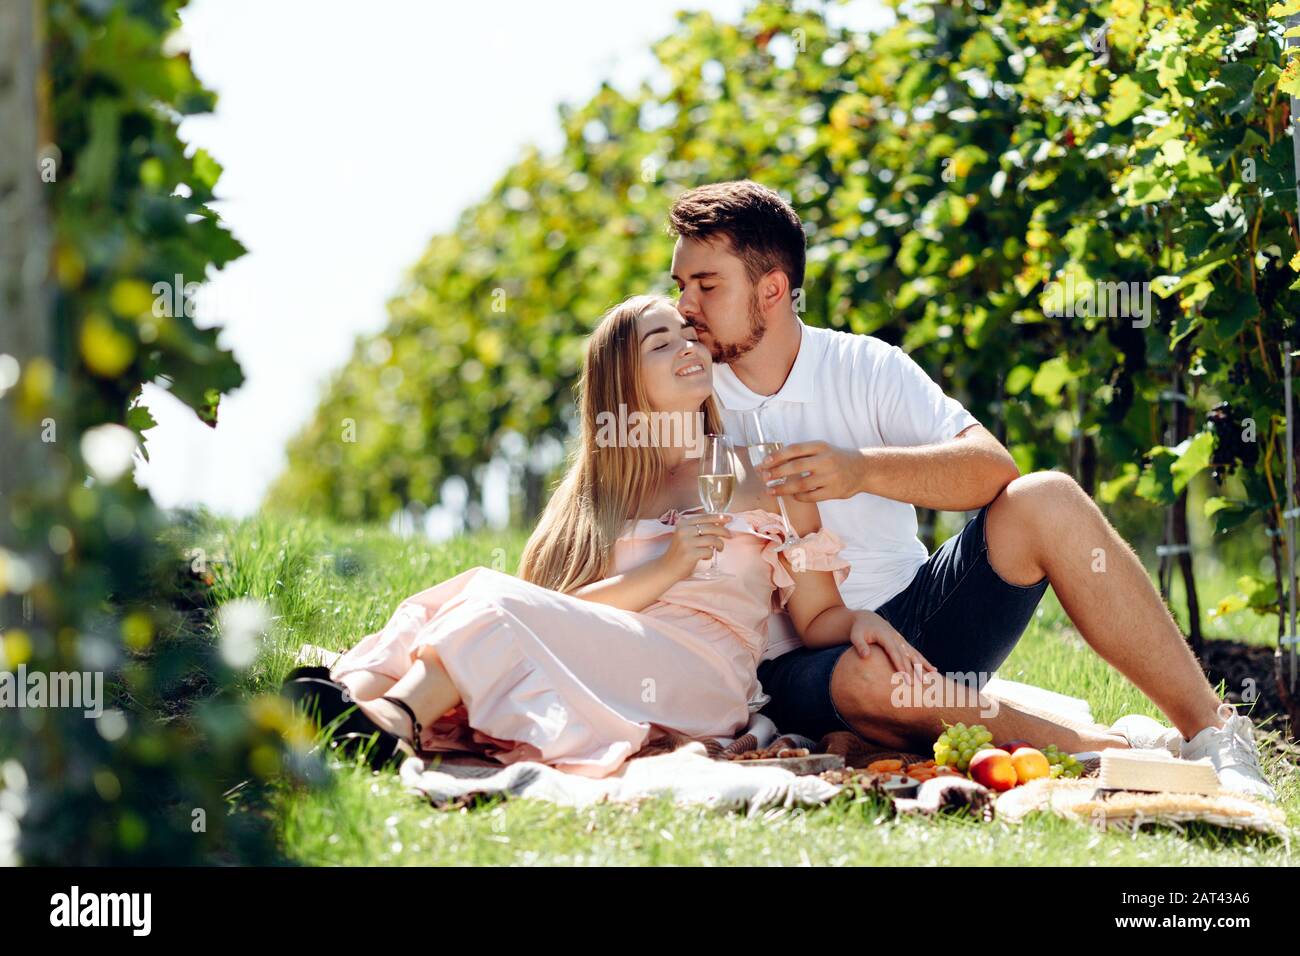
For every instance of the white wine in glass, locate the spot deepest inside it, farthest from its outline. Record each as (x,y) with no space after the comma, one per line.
(717,483)
(716,492)
(761,445)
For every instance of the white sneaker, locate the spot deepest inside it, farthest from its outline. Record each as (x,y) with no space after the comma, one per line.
(1145,733)
(1231,748)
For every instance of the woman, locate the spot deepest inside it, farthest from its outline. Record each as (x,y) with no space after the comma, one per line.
(604,639)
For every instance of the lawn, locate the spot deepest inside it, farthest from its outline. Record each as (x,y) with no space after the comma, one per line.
(330,584)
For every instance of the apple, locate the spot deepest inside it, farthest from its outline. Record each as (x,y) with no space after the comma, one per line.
(994,769)
(1011,746)
(1030,764)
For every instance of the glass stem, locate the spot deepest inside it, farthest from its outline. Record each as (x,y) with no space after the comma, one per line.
(789,528)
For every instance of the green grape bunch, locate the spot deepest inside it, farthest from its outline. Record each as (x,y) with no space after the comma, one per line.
(958,743)
(1061,764)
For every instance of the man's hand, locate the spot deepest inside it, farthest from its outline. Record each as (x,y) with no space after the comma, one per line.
(870,628)
(965,472)
(814,471)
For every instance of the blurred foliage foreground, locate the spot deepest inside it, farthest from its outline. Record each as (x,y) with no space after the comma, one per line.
(124,742)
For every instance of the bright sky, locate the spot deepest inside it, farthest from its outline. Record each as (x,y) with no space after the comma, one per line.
(350,134)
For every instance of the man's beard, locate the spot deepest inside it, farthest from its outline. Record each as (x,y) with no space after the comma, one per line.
(727,352)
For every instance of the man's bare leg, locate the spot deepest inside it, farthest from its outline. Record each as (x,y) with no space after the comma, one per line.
(869,698)
(1044,524)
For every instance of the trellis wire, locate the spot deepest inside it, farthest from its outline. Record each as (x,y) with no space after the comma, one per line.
(1289,515)
(1292,22)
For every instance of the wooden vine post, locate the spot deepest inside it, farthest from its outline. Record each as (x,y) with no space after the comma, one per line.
(1175,547)
(1284,660)
(24,246)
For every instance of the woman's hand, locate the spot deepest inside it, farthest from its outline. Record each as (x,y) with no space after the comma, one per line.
(870,628)
(696,538)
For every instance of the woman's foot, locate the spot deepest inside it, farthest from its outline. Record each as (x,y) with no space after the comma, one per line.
(390,718)
(315,671)
(384,730)
(323,700)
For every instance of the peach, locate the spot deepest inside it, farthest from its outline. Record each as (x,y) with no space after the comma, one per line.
(1030,764)
(1011,746)
(994,769)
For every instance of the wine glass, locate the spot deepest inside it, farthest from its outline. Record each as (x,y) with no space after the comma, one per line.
(761,445)
(717,483)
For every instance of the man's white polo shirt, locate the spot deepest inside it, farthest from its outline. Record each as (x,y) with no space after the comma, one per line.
(859,392)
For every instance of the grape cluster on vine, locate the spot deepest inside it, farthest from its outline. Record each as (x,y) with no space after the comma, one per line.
(1230,446)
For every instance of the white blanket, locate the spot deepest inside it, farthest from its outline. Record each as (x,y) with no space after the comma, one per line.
(686,775)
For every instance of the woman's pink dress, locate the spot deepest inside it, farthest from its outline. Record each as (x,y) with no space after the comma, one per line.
(580,685)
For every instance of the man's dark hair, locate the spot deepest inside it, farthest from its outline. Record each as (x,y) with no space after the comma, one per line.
(764,232)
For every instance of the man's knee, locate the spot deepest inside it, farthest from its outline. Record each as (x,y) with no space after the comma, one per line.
(1028,519)
(863,692)
(1037,497)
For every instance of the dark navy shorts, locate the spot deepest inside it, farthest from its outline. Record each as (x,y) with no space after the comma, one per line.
(957,611)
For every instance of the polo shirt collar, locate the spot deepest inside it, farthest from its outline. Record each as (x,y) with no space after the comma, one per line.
(800,385)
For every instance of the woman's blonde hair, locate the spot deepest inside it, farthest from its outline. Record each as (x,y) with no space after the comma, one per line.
(606,484)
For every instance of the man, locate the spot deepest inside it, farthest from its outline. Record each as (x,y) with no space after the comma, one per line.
(869,436)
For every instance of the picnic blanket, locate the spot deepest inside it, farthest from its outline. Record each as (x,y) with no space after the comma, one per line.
(687,774)
(696,771)
(1128,811)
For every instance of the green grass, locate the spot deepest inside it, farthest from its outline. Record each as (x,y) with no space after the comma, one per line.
(331,585)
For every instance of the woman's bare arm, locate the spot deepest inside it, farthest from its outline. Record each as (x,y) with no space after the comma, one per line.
(816,608)
(694,538)
(821,618)
(633,590)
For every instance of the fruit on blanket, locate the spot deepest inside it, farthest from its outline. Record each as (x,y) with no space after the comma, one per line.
(994,769)
(848,777)
(1030,764)
(1061,764)
(929,770)
(958,743)
(773,752)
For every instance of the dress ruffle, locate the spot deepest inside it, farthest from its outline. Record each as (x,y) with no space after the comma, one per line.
(818,551)
(815,552)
